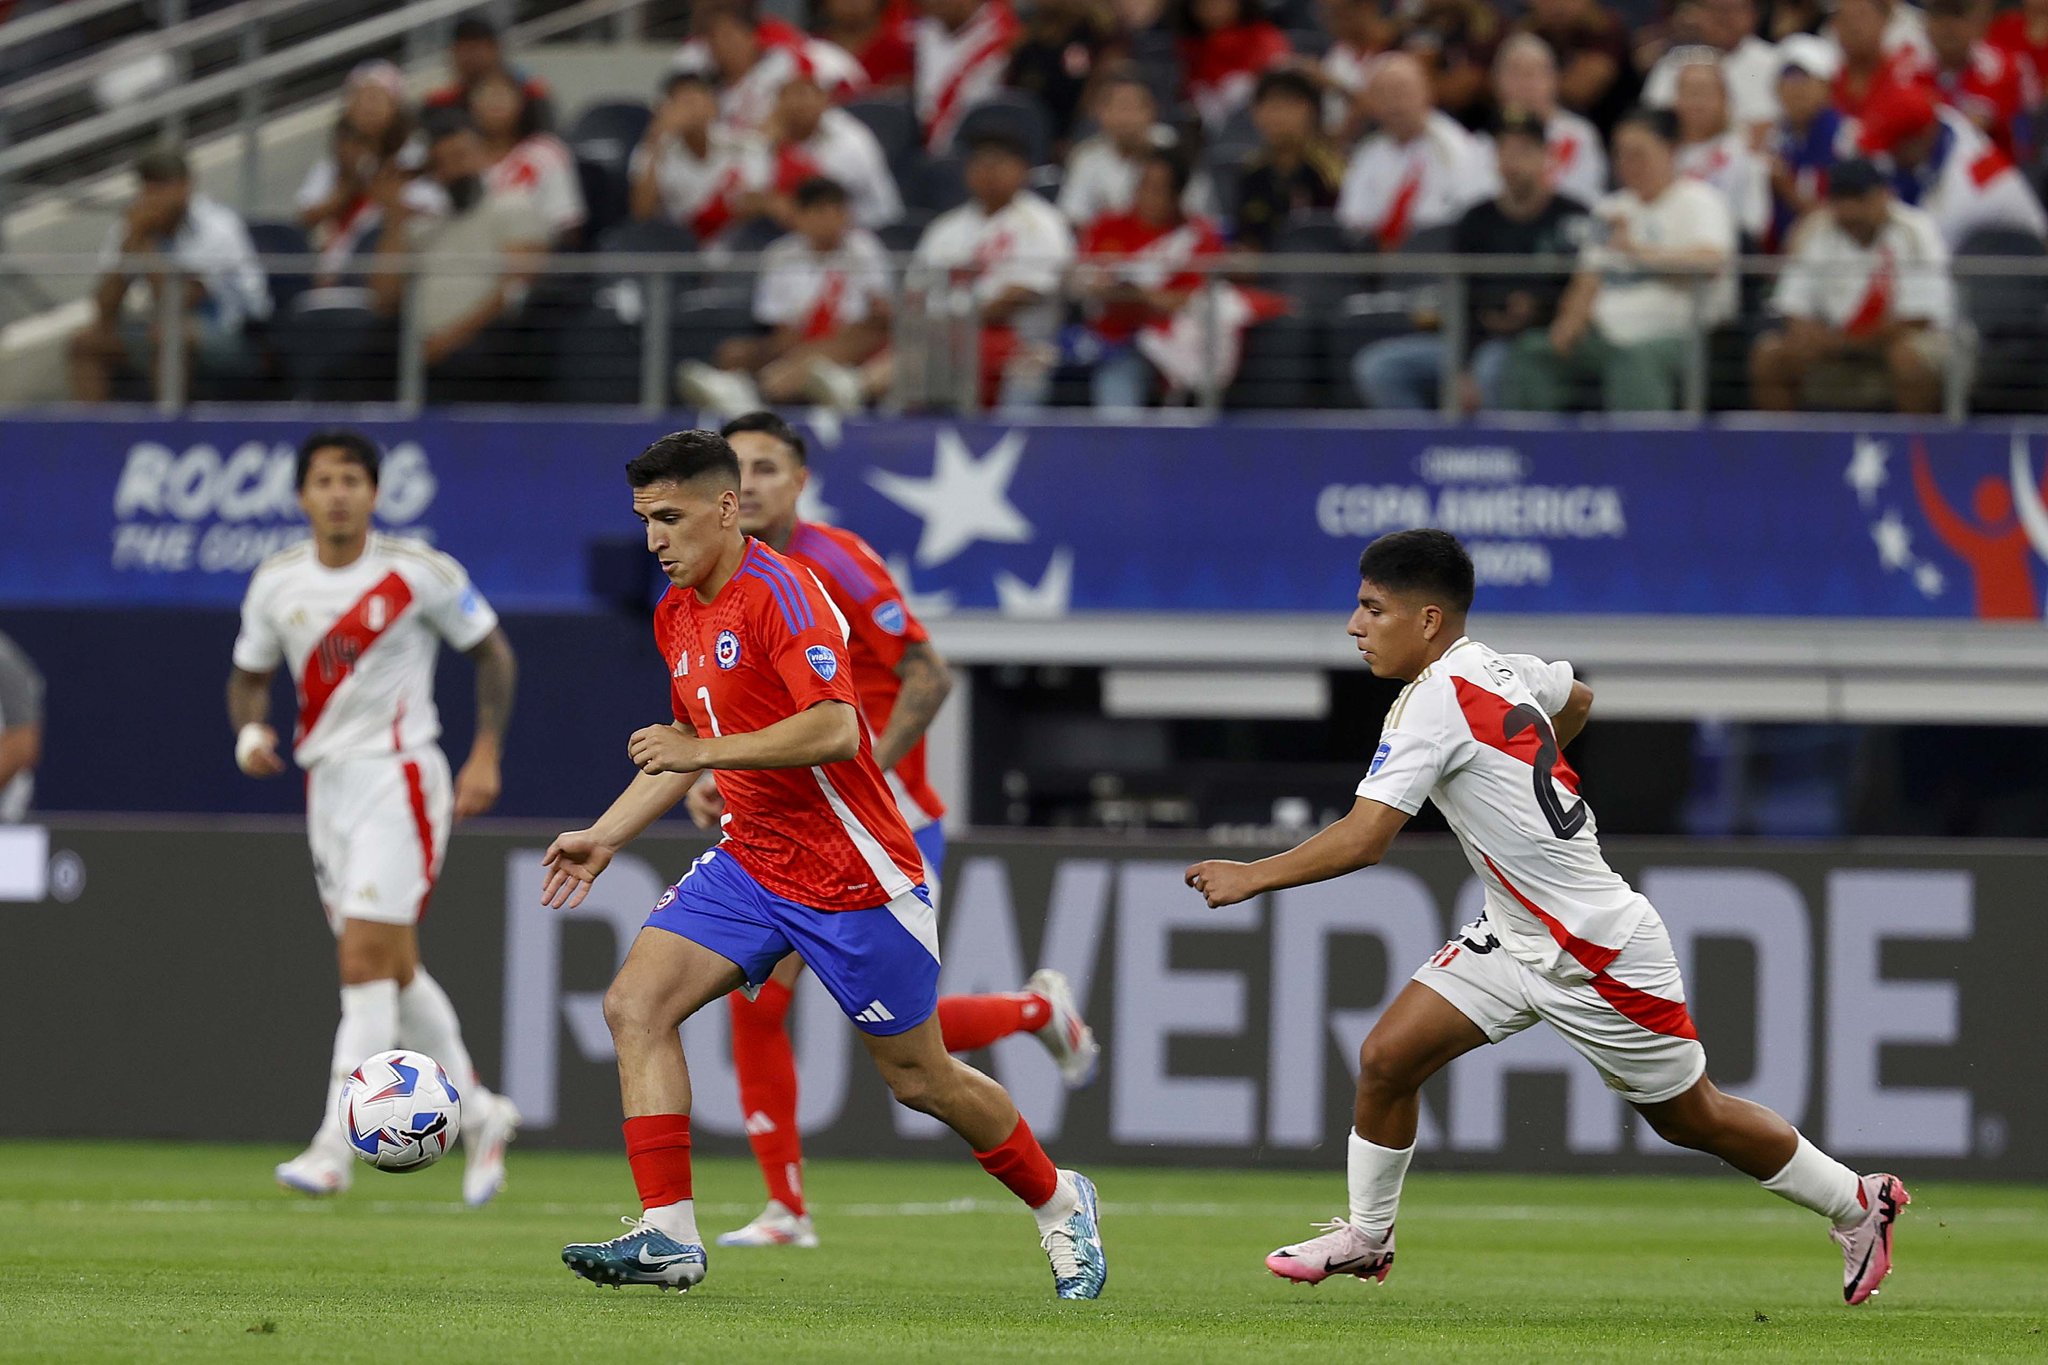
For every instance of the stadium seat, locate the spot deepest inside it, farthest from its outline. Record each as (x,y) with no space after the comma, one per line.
(938,183)
(1282,360)
(894,124)
(1309,42)
(276,237)
(607,198)
(903,234)
(1015,112)
(2010,316)
(608,131)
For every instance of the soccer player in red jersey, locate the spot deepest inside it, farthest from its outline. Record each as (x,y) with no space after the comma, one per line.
(902,682)
(814,859)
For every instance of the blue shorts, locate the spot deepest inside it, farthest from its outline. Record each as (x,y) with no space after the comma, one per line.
(931,842)
(881,965)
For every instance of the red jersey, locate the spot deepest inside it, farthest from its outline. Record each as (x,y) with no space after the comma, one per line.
(1161,257)
(1854,96)
(880,629)
(1989,91)
(2008,33)
(770,646)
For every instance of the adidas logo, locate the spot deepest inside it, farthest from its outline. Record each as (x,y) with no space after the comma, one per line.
(759,1123)
(875,1013)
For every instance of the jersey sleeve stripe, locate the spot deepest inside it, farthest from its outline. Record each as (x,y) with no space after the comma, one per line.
(781,600)
(799,604)
(837,561)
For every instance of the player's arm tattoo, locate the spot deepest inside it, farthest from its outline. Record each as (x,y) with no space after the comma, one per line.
(927,682)
(497,679)
(248,698)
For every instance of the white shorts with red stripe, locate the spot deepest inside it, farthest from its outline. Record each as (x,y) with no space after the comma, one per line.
(1629,1020)
(379,830)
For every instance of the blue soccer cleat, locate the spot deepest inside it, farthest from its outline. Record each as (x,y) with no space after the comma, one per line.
(646,1255)
(1075,1246)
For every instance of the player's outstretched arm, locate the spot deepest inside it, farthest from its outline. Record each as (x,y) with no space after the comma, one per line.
(497,679)
(1360,839)
(828,732)
(574,860)
(1571,717)
(249,712)
(927,682)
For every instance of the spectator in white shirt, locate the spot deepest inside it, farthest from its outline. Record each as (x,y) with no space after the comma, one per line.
(1420,170)
(524,157)
(963,50)
(1102,171)
(749,71)
(223,285)
(1867,306)
(1658,276)
(1947,165)
(692,172)
(1727,29)
(1525,83)
(823,296)
(1361,33)
(1711,150)
(1009,250)
(841,146)
(375,129)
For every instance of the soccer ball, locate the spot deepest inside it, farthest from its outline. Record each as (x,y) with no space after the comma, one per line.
(400,1111)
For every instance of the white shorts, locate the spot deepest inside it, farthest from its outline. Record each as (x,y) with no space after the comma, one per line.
(1629,1020)
(379,830)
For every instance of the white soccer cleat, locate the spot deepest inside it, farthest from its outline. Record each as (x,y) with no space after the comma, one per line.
(317,1172)
(485,1138)
(1065,1035)
(1341,1250)
(1867,1246)
(723,392)
(833,385)
(774,1226)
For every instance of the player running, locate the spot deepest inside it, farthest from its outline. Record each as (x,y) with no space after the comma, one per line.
(815,859)
(359,617)
(1563,939)
(902,682)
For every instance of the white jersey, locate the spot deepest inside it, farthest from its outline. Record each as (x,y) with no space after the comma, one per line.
(959,68)
(1977,186)
(1472,734)
(845,149)
(1901,276)
(361,642)
(821,293)
(1578,163)
(1395,189)
(543,166)
(1025,243)
(1742,177)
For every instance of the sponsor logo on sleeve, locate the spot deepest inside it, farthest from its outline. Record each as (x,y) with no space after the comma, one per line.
(1379,757)
(823,661)
(889,616)
(472,601)
(728,651)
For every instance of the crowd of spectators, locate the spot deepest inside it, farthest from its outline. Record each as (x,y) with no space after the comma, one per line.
(1098,176)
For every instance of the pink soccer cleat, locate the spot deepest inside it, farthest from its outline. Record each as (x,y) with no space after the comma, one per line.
(1341,1250)
(1867,1246)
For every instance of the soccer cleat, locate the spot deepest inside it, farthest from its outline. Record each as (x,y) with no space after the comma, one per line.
(774,1226)
(485,1137)
(1075,1247)
(1341,1250)
(833,385)
(724,392)
(646,1255)
(317,1172)
(1065,1035)
(1867,1246)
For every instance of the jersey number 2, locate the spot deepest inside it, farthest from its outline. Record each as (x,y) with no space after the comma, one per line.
(1563,822)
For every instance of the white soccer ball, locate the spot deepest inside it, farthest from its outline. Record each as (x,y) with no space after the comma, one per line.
(400,1111)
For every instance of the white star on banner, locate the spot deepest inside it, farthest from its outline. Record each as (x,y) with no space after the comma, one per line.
(918,603)
(1928,579)
(1894,541)
(811,504)
(1049,597)
(1866,473)
(964,500)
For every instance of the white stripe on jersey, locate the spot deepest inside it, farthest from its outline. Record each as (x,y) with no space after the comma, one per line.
(891,877)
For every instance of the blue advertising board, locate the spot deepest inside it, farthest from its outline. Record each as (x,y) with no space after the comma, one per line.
(1049,519)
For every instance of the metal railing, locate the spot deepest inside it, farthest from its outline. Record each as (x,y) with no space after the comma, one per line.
(611,329)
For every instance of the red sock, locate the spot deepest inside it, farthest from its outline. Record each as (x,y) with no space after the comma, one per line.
(658,1148)
(766,1064)
(974,1021)
(1022,1165)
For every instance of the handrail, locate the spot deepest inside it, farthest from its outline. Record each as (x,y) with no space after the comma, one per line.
(63,142)
(18,31)
(192,32)
(546,26)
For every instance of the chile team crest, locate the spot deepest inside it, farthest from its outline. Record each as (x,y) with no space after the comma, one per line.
(728,649)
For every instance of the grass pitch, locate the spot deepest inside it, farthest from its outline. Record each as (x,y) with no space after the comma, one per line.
(160,1252)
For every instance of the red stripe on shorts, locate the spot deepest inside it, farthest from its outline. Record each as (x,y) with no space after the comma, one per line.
(1653,1012)
(423,826)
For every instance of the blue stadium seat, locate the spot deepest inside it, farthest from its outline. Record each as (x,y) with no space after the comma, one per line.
(1015,112)
(608,131)
(276,237)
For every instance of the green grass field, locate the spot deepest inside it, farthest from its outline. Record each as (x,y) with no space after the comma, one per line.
(159,1252)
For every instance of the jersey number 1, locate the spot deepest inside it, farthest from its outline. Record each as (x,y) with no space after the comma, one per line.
(704,695)
(1563,822)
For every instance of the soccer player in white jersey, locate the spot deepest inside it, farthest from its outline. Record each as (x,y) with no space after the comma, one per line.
(359,617)
(1563,939)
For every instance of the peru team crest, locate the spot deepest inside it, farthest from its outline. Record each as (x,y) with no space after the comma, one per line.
(728,650)
(823,661)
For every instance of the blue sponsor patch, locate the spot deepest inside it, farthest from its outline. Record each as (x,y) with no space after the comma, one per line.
(823,661)
(889,616)
(472,602)
(728,650)
(1379,757)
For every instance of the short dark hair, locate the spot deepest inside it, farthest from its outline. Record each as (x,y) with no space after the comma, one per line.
(1426,560)
(684,456)
(1520,123)
(162,167)
(819,189)
(445,122)
(474,28)
(355,447)
(676,80)
(1288,83)
(1661,124)
(1124,73)
(1176,168)
(769,424)
(1001,141)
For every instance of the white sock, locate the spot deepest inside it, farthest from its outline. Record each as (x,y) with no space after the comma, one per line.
(1814,1180)
(1055,1212)
(1375,1175)
(369,1025)
(427,1022)
(678,1220)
